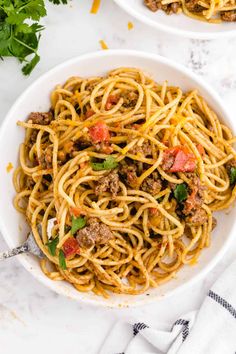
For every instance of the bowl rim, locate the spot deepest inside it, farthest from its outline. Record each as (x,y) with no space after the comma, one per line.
(23,259)
(174,31)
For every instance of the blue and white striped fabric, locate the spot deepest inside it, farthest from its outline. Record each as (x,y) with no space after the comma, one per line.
(211,330)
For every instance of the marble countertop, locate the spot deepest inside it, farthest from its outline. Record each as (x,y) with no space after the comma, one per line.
(31,316)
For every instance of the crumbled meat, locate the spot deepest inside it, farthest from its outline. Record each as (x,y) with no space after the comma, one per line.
(228,16)
(187,231)
(46,158)
(29,183)
(32,138)
(198,218)
(129,99)
(109,183)
(40,118)
(94,233)
(214,223)
(128,173)
(168,163)
(231,163)
(152,184)
(155,5)
(196,198)
(145,149)
(193,6)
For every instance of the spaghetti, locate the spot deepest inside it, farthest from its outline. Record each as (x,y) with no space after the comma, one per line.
(212,11)
(132,171)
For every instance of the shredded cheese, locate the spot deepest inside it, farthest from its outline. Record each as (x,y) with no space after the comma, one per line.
(9,167)
(103,44)
(95,6)
(130,26)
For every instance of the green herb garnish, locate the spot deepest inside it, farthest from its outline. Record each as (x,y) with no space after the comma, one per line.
(232,175)
(58,2)
(180,192)
(20,30)
(62,260)
(77,223)
(52,245)
(108,164)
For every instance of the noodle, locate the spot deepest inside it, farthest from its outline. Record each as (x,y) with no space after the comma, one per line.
(211,11)
(131,170)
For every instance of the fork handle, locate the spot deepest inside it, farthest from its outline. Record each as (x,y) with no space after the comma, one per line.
(13,252)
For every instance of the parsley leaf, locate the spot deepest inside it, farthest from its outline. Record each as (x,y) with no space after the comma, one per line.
(77,223)
(180,192)
(232,175)
(20,30)
(108,164)
(58,2)
(62,260)
(52,245)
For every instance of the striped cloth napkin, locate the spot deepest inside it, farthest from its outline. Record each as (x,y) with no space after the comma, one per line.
(211,330)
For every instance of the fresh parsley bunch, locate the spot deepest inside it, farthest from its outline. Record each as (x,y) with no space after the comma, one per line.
(20,30)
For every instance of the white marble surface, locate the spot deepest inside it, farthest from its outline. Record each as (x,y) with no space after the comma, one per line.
(33,318)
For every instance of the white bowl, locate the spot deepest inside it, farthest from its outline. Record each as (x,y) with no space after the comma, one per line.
(36,98)
(181,24)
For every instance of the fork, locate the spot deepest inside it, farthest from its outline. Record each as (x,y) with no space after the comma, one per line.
(29,246)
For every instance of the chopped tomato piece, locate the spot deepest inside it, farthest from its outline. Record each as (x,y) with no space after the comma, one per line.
(99,132)
(153,211)
(179,159)
(201,149)
(76,211)
(111,100)
(89,113)
(70,247)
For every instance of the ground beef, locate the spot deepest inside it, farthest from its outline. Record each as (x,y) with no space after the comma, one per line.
(155,5)
(128,174)
(145,149)
(40,118)
(231,163)
(129,99)
(29,183)
(109,183)
(228,16)
(94,233)
(167,163)
(196,198)
(152,184)
(193,6)
(214,223)
(198,218)
(32,138)
(46,158)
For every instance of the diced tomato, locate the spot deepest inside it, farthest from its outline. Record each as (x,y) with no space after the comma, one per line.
(89,113)
(182,159)
(99,132)
(201,149)
(153,211)
(111,100)
(70,247)
(76,211)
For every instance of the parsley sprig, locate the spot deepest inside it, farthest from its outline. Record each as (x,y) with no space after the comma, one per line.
(20,30)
